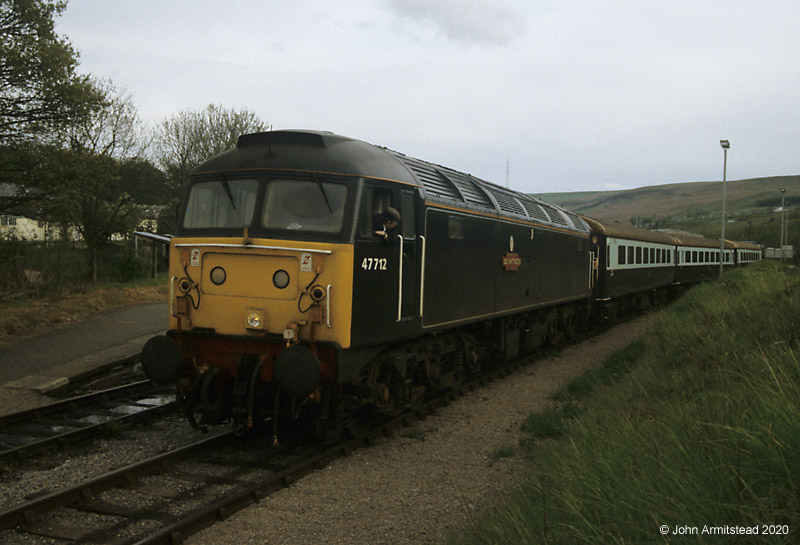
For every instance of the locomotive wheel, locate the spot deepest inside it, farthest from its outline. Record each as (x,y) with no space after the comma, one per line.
(358,423)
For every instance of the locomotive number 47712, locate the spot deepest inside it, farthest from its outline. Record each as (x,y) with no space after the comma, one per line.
(374,264)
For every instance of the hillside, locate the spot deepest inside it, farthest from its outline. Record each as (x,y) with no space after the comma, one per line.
(681,202)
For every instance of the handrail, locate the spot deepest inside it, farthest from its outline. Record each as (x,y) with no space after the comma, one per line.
(400,283)
(328,305)
(422,276)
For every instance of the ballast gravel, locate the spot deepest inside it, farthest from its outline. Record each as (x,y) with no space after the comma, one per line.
(413,488)
(416,487)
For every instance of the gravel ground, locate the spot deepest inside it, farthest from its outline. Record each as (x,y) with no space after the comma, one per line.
(92,459)
(417,486)
(411,489)
(13,400)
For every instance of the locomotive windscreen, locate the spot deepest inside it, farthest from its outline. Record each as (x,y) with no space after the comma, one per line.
(305,206)
(221,203)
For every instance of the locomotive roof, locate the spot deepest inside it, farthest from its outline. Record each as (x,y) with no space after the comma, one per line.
(328,152)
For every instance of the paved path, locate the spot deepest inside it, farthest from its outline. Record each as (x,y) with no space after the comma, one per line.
(78,348)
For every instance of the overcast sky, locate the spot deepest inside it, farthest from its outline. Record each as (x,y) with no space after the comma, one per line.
(570,95)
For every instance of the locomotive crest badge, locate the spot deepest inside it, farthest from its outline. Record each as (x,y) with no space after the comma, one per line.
(511,261)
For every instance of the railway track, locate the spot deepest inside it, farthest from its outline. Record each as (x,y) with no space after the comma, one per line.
(168,497)
(68,421)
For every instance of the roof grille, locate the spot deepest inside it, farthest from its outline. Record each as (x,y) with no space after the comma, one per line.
(507,203)
(473,194)
(432,179)
(555,215)
(535,211)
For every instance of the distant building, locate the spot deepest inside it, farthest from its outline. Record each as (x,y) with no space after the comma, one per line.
(775,253)
(15,222)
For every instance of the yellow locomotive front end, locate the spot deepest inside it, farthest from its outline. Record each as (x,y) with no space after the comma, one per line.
(256,320)
(260,292)
(258,289)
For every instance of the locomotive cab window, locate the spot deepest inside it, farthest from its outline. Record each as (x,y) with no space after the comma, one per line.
(374,200)
(305,205)
(408,222)
(221,203)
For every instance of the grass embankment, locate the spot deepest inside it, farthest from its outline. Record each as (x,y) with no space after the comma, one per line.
(29,315)
(696,427)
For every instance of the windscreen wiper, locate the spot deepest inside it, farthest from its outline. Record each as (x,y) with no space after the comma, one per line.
(227,189)
(324,195)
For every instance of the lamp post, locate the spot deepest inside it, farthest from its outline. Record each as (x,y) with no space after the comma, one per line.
(725,147)
(783,194)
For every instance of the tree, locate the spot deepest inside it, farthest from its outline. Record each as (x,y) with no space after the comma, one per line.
(39,88)
(81,180)
(188,138)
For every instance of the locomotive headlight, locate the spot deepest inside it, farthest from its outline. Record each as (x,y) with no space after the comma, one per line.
(218,275)
(255,319)
(280,279)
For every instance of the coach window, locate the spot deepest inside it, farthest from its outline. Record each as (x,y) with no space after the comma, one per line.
(621,255)
(630,256)
(646,257)
(638,255)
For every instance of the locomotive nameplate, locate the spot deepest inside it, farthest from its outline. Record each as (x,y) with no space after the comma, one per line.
(511,261)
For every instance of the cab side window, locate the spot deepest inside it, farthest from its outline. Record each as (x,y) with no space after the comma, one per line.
(374,200)
(407,213)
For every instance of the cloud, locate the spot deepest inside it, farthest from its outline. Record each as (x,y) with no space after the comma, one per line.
(468,22)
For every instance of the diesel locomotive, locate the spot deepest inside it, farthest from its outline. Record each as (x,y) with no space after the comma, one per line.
(287,307)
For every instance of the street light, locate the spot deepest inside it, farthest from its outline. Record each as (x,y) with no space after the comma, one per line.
(725,147)
(783,193)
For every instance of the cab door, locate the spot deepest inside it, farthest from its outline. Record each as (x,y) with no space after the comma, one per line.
(386,295)
(408,254)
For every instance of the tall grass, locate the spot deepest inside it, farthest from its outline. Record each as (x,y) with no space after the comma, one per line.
(702,434)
